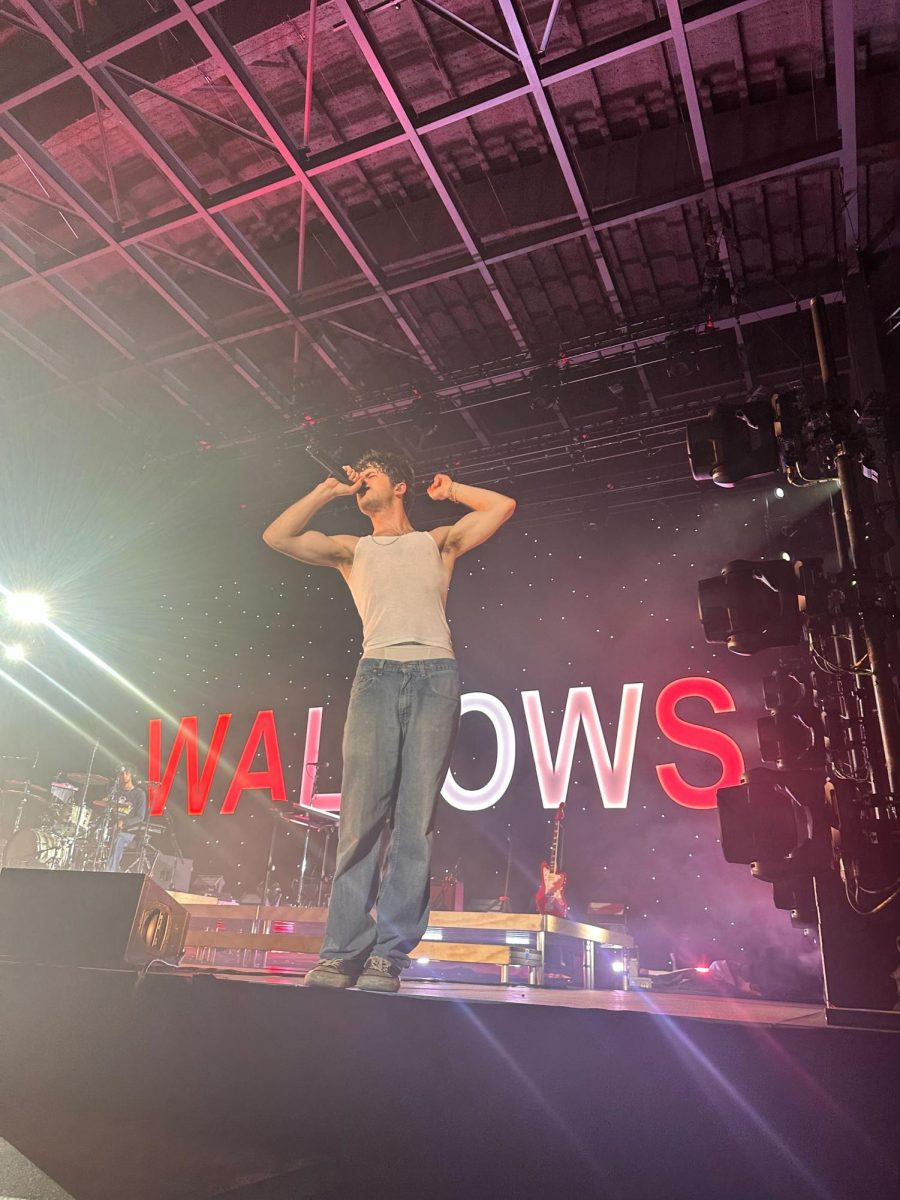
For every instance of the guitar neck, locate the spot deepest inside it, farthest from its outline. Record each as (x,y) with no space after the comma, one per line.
(554,846)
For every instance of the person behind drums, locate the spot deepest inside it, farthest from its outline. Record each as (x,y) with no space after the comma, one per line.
(130,802)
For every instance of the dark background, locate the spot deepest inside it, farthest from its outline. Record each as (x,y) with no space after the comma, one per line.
(157,566)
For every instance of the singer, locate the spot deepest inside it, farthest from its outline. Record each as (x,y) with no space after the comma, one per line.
(404,705)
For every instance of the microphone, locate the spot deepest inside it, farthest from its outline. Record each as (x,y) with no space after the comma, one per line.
(327,460)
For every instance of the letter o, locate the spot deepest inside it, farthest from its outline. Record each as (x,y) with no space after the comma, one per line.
(484,797)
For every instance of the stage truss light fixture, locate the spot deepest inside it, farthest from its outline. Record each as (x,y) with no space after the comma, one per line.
(774,822)
(27,608)
(752,606)
(791,734)
(734,443)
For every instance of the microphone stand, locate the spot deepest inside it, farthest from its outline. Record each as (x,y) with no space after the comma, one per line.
(81,823)
(504,899)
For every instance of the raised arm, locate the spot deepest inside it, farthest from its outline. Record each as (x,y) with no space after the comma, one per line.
(288,533)
(489,511)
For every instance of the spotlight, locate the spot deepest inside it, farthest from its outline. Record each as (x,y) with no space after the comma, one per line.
(791,734)
(682,354)
(28,608)
(775,820)
(618,966)
(732,444)
(15,653)
(779,493)
(752,606)
(545,383)
(425,414)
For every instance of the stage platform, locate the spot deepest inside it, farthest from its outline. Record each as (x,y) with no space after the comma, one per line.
(190,1084)
(510,947)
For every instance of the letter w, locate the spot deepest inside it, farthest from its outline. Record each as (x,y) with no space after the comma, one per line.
(613,778)
(187,743)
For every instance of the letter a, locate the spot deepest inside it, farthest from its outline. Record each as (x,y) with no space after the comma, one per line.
(272,778)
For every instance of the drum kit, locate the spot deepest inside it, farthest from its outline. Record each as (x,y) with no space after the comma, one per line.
(67,826)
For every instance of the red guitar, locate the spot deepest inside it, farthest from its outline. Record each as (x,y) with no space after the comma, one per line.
(551,895)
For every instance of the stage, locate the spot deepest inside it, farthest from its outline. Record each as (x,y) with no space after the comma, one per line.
(201,1082)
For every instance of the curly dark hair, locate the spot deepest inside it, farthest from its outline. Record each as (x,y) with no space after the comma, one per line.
(397,467)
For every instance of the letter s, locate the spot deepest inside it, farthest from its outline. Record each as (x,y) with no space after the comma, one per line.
(697,737)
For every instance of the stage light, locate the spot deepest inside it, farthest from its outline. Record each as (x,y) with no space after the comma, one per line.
(786,555)
(779,493)
(545,383)
(752,606)
(28,608)
(775,820)
(791,734)
(732,444)
(618,966)
(702,970)
(15,653)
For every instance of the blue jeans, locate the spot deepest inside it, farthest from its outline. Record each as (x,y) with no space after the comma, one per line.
(121,842)
(398,739)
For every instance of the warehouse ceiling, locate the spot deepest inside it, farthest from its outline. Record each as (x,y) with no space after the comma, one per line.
(506,237)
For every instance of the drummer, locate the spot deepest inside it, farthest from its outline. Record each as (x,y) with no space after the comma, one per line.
(131,803)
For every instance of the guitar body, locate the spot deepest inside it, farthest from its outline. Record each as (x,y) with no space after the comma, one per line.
(551,895)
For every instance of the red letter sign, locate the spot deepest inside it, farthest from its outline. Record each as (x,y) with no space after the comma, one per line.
(272,778)
(697,737)
(185,740)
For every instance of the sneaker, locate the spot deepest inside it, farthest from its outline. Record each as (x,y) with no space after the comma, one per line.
(379,975)
(333,973)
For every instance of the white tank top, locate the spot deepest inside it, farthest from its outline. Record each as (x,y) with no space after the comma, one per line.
(399,586)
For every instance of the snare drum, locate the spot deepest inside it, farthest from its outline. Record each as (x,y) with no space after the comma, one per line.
(36,848)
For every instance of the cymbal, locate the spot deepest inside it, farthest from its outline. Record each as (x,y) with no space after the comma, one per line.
(21,792)
(23,783)
(80,777)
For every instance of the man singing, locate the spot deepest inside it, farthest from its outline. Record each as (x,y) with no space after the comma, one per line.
(404,705)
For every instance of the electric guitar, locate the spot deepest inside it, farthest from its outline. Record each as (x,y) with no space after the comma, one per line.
(551,895)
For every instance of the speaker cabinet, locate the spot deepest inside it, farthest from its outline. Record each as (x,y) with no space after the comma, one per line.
(88,918)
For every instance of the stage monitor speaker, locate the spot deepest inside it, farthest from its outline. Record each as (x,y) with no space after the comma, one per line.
(172,873)
(88,919)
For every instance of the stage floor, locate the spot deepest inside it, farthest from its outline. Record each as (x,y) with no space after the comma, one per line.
(744,1010)
(199,1082)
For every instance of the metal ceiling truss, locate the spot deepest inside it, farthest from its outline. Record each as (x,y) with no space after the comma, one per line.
(102,76)
(845,87)
(701,148)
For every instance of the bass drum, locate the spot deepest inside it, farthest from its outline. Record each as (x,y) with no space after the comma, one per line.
(36,848)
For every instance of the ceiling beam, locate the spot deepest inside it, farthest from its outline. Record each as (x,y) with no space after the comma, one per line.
(515,371)
(618,47)
(704,161)
(63,40)
(96,320)
(561,153)
(230,63)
